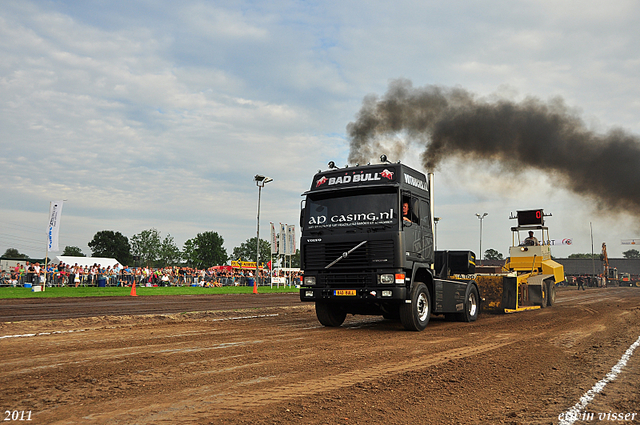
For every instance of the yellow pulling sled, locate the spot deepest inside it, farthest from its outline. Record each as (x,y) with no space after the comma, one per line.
(529,276)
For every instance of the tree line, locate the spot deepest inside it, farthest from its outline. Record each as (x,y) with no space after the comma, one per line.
(149,248)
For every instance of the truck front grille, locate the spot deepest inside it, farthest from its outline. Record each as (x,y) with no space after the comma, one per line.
(373,254)
(347,280)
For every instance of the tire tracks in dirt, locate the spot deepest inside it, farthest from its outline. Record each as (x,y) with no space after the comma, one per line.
(204,399)
(198,369)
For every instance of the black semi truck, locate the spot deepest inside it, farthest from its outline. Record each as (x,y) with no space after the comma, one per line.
(367,248)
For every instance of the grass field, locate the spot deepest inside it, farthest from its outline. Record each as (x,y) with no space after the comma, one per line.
(10,292)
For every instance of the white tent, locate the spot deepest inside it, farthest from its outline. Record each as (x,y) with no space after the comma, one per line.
(85,261)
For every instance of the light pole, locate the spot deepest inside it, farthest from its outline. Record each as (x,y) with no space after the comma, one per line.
(436,220)
(481,217)
(260,182)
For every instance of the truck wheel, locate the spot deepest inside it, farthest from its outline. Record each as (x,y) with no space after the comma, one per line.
(415,316)
(330,315)
(551,292)
(471,306)
(544,295)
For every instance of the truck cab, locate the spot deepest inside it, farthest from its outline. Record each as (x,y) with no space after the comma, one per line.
(367,247)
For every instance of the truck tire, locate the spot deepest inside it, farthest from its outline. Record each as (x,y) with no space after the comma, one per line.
(544,294)
(471,306)
(330,315)
(551,292)
(415,316)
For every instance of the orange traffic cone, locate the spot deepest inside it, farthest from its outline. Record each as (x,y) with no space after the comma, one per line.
(255,287)
(133,289)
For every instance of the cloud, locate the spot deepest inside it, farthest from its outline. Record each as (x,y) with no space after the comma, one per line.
(156,114)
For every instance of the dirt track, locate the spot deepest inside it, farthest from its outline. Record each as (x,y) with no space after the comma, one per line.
(277,365)
(66,308)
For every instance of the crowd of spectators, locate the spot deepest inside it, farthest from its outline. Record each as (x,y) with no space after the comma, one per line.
(74,275)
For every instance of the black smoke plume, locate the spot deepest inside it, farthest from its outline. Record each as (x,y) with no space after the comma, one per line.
(532,134)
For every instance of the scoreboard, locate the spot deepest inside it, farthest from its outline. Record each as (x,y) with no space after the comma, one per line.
(531,218)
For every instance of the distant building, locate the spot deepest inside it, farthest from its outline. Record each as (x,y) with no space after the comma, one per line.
(585,266)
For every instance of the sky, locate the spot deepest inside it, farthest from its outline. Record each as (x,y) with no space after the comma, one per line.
(158,114)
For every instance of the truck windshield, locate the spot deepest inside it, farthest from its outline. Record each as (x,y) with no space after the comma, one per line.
(351,210)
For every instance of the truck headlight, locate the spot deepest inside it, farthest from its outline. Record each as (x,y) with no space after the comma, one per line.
(387,278)
(309,280)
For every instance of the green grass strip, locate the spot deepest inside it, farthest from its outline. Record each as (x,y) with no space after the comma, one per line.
(66,292)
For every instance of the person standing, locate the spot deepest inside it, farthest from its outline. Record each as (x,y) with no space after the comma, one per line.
(22,273)
(29,270)
(31,274)
(16,273)
(77,274)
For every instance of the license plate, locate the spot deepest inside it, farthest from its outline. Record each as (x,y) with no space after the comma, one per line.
(344,292)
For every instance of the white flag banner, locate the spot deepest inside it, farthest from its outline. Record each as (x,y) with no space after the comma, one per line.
(274,240)
(630,241)
(286,235)
(283,239)
(55,211)
(291,240)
